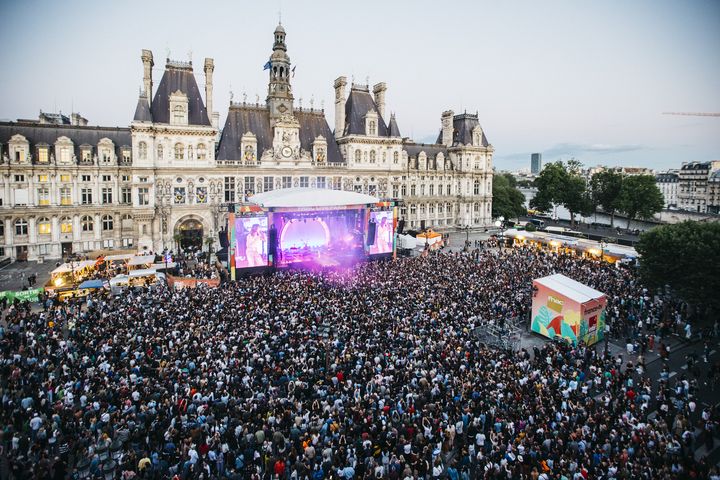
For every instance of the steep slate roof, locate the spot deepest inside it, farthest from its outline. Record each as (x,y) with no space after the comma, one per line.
(463,126)
(359,102)
(48,134)
(243,119)
(179,78)
(393,129)
(142,110)
(431,150)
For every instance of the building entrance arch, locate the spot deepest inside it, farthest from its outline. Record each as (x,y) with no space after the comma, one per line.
(189,234)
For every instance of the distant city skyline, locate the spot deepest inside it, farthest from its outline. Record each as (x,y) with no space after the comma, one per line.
(561,78)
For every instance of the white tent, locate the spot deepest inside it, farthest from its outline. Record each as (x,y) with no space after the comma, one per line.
(124,256)
(73,266)
(141,260)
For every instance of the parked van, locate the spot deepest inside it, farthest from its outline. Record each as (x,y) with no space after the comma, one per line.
(537,222)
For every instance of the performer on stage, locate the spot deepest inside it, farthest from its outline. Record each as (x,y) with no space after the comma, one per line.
(384,236)
(254,246)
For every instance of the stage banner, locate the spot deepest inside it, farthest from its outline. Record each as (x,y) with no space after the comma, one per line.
(23,295)
(184,282)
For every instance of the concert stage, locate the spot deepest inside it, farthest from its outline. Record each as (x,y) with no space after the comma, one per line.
(310,228)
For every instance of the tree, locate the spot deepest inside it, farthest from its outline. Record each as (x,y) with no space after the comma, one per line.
(177,238)
(549,184)
(508,201)
(605,188)
(640,197)
(684,257)
(560,184)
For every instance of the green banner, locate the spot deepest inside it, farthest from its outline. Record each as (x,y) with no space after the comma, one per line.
(23,295)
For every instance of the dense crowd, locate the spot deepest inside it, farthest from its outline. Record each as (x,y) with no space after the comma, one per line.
(369,372)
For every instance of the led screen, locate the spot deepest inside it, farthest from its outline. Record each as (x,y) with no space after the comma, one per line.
(251,241)
(383,232)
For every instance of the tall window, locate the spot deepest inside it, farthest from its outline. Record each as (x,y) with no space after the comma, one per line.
(201,151)
(43,196)
(178,115)
(160,152)
(286,182)
(86,196)
(142,150)
(396,157)
(107,195)
(229,189)
(432,189)
(395,191)
(43,226)
(66,225)
(105,155)
(87,223)
(126,155)
(21,226)
(412,190)
(372,156)
(267,184)
(304,182)
(107,222)
(337,183)
(143,196)
(126,195)
(65,196)
(249,185)
(179,151)
(65,154)
(321,182)
(43,155)
(476,187)
(358,155)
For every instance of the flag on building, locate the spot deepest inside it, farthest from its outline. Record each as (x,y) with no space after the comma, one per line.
(267,65)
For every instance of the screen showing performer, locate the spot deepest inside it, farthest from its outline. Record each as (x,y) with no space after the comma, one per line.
(251,242)
(383,232)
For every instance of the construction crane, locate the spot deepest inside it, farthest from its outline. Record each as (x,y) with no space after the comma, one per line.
(693,114)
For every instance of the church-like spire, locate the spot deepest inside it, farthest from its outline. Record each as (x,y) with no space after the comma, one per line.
(280,98)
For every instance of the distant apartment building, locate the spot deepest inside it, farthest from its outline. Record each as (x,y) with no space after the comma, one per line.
(668,182)
(694,193)
(713,200)
(535,163)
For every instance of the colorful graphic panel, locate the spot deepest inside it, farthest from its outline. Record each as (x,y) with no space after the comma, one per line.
(250,241)
(384,232)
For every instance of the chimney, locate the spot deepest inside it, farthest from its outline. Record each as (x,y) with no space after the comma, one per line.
(340,83)
(379,92)
(447,128)
(78,120)
(147,59)
(209,67)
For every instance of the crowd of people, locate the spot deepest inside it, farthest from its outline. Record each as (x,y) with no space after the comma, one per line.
(368,372)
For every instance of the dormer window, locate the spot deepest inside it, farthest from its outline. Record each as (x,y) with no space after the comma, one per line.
(178,108)
(43,154)
(371,122)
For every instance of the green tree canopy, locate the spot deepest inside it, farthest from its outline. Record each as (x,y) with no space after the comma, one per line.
(560,184)
(640,197)
(685,257)
(508,201)
(605,190)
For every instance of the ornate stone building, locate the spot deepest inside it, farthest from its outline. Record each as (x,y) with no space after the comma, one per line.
(69,187)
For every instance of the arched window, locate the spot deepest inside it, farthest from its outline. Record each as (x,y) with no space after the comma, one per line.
(476,187)
(87,223)
(21,226)
(107,222)
(142,150)
(372,156)
(396,157)
(179,114)
(179,151)
(66,225)
(201,151)
(358,154)
(43,226)
(160,152)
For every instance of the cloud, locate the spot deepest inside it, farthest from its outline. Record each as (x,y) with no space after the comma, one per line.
(563,149)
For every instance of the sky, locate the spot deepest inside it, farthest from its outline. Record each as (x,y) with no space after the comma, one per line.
(583,79)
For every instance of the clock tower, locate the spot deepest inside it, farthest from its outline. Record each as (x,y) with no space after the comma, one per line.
(280,98)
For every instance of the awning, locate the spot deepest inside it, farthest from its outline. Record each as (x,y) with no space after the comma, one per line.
(73,266)
(142,260)
(92,284)
(112,258)
(146,272)
(162,266)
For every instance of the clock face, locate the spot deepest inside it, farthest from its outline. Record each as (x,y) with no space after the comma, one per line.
(286,151)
